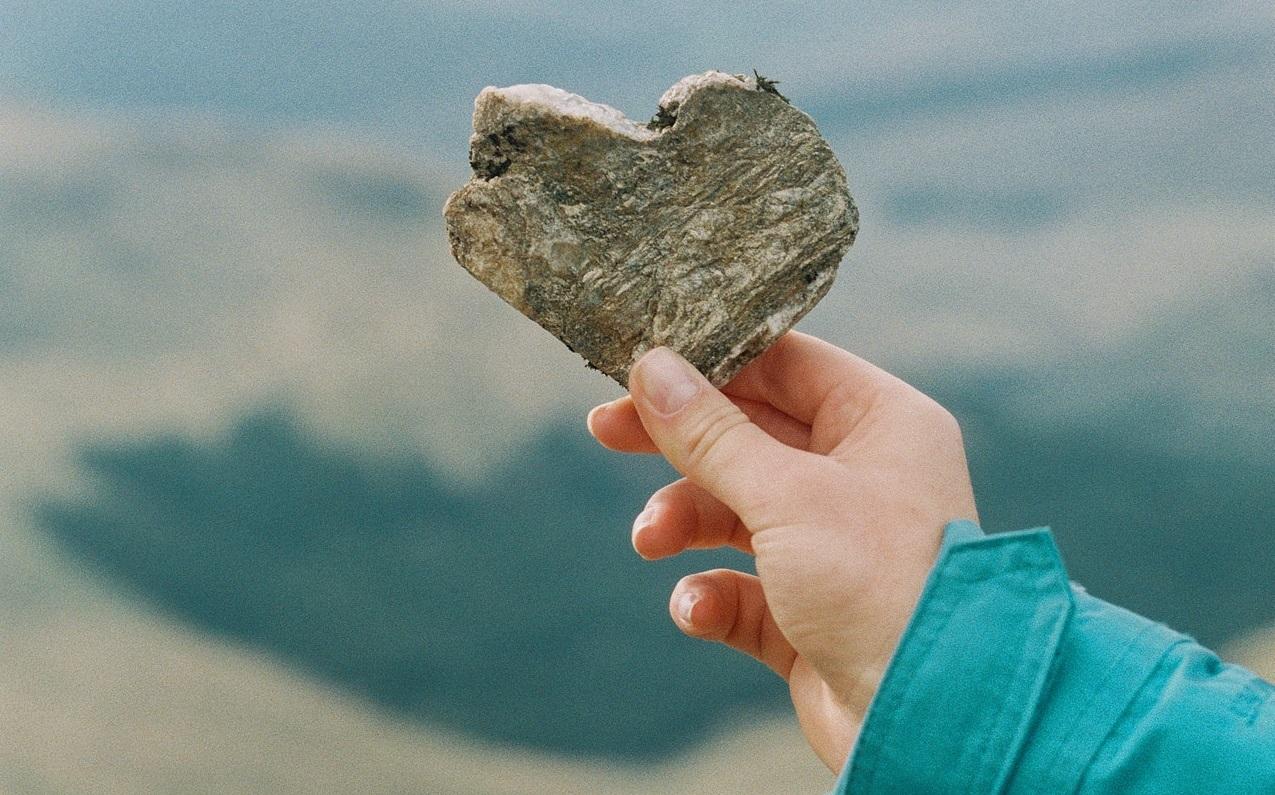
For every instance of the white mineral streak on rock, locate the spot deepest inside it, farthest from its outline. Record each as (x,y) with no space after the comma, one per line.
(710,230)
(549,99)
(679,91)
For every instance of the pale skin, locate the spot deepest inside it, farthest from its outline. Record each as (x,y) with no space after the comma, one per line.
(835,475)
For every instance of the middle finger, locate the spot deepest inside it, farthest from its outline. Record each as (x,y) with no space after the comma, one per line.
(684,516)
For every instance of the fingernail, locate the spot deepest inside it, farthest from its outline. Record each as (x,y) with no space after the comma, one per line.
(593,416)
(668,381)
(643,521)
(686,606)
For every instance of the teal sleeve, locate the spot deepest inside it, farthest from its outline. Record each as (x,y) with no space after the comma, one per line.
(1010,679)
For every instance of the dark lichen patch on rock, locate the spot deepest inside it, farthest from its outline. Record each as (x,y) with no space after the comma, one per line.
(711,230)
(662,120)
(768,85)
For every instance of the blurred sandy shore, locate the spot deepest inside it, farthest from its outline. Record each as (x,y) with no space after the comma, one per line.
(99,697)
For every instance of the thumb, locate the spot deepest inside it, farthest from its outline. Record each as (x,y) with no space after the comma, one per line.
(708,439)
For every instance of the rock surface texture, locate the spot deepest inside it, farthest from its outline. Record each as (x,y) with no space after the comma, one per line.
(711,230)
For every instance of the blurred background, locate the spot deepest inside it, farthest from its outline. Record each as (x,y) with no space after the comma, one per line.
(291,503)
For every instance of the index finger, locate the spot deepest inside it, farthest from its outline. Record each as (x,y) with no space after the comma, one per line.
(800,375)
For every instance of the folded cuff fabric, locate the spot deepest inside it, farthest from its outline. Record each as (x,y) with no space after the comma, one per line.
(1011,679)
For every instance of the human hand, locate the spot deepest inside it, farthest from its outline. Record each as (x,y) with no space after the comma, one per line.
(838,478)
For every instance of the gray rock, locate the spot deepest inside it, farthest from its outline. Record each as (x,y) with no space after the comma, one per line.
(711,230)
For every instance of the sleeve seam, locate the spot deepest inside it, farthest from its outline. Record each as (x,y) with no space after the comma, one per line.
(1040,665)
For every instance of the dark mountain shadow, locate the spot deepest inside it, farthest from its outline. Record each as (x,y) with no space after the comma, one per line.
(517,612)
(1161,491)
(1184,537)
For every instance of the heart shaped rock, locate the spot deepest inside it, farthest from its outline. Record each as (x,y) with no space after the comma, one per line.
(710,230)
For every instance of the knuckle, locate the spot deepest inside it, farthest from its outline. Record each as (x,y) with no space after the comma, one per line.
(710,435)
(954,427)
(849,403)
(938,417)
(947,422)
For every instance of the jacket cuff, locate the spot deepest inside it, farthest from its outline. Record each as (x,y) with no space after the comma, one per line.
(959,696)
(1008,678)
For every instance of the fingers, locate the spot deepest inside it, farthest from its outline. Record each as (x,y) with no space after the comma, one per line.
(798,380)
(617,426)
(684,516)
(711,441)
(801,375)
(730,607)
